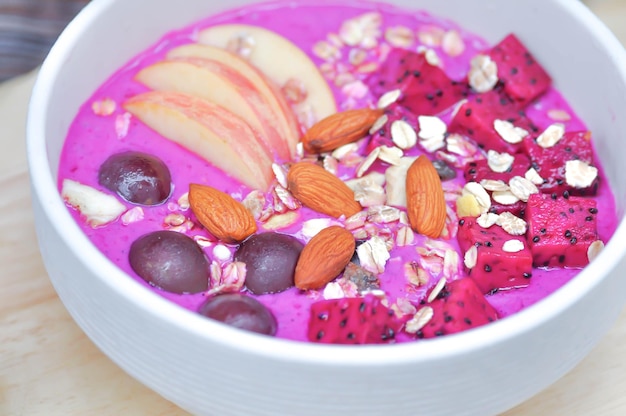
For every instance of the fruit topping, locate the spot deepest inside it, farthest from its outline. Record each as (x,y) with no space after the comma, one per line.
(479,170)
(270,260)
(523,77)
(207,129)
(240,311)
(324,257)
(220,84)
(319,101)
(494,258)
(352,321)
(457,306)
(497,182)
(137,177)
(96,207)
(565,164)
(170,261)
(397,126)
(561,230)
(277,105)
(223,216)
(426,89)
(478,118)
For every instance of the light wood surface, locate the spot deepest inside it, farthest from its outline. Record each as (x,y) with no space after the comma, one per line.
(49,367)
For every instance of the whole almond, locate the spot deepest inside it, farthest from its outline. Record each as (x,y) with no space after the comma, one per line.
(321,191)
(339,129)
(324,257)
(426,204)
(223,216)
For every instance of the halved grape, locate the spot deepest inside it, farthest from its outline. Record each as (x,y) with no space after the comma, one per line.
(137,177)
(270,261)
(171,261)
(240,311)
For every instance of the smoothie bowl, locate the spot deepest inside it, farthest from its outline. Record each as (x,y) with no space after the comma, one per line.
(439,183)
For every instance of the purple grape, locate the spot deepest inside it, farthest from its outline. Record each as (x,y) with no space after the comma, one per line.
(270,261)
(240,311)
(137,177)
(170,261)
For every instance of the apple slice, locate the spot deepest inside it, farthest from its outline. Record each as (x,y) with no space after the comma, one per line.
(278,58)
(210,131)
(222,85)
(277,103)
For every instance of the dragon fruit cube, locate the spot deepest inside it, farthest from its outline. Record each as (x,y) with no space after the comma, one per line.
(523,77)
(426,89)
(551,163)
(475,119)
(560,230)
(382,136)
(479,170)
(493,258)
(362,320)
(459,306)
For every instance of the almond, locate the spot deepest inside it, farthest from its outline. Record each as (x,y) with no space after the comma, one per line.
(426,204)
(223,216)
(339,129)
(321,191)
(324,257)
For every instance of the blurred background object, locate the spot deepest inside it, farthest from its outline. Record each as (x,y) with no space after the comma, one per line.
(28,28)
(612,14)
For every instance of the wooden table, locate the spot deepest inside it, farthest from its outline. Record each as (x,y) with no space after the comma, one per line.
(49,367)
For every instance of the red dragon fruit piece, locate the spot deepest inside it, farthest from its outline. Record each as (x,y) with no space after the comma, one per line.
(393,72)
(459,306)
(523,77)
(502,261)
(382,137)
(560,230)
(479,170)
(475,120)
(550,162)
(517,209)
(426,89)
(353,321)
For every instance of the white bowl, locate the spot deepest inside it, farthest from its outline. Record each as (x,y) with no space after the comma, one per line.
(207,368)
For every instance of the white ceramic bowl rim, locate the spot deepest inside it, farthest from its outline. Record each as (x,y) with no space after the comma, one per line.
(45,190)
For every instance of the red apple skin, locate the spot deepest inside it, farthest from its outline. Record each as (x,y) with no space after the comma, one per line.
(208,130)
(279,107)
(280,60)
(221,84)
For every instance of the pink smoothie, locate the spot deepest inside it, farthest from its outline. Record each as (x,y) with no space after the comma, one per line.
(92,138)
